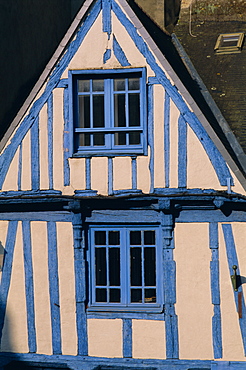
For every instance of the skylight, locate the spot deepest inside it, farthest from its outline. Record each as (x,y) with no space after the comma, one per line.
(228,43)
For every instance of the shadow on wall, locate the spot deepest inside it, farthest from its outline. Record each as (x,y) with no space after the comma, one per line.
(6,339)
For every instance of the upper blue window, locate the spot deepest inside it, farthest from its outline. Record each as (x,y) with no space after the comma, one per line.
(108,111)
(125,269)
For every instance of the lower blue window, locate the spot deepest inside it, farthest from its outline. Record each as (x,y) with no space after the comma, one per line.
(125,268)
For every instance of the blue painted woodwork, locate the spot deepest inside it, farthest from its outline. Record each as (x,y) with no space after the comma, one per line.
(66,138)
(35,162)
(80,284)
(106,15)
(27,251)
(216,158)
(54,80)
(134,173)
(151,135)
(7,270)
(169,287)
(88,173)
(126,287)
(182,153)
(127,338)
(110,137)
(233,260)
(167,139)
(119,53)
(110,176)
(37,216)
(50,140)
(63,83)
(54,287)
(219,164)
(215,290)
(20,167)
(90,363)
(106,55)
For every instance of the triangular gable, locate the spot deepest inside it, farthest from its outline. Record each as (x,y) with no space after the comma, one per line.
(154,59)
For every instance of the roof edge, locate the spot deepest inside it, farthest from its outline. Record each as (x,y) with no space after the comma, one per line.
(47,71)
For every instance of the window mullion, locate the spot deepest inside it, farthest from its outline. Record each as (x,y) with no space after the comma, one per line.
(91,112)
(107,110)
(142,262)
(127,108)
(125,266)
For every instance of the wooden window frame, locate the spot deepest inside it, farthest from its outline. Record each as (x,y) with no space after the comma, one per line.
(109,129)
(125,305)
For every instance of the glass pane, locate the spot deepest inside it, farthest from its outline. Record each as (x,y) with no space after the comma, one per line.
(84,112)
(119,111)
(101,295)
(149,237)
(84,85)
(101,266)
(119,84)
(114,295)
(149,295)
(136,295)
(98,85)
(84,139)
(149,267)
(135,237)
(119,138)
(134,138)
(114,266)
(134,84)
(98,111)
(100,237)
(134,110)
(114,238)
(136,266)
(98,139)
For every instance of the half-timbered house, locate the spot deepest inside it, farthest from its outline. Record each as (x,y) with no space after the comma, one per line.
(122,209)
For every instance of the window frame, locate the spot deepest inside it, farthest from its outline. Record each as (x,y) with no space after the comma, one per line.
(108,149)
(221,46)
(126,305)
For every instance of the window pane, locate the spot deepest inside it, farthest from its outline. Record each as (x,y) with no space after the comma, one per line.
(98,139)
(84,140)
(114,295)
(149,267)
(134,138)
(84,85)
(98,111)
(134,84)
(135,237)
(100,237)
(136,295)
(98,85)
(119,84)
(100,266)
(134,110)
(119,110)
(149,295)
(119,138)
(114,238)
(136,266)
(101,295)
(149,237)
(114,266)
(84,111)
